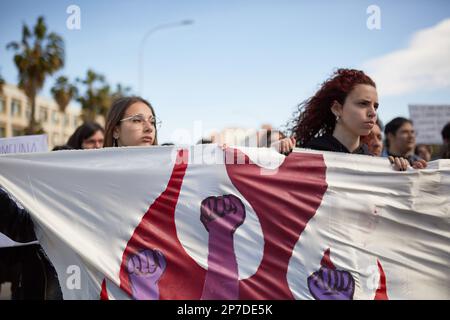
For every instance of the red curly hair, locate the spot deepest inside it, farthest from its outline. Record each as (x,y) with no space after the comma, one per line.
(314,114)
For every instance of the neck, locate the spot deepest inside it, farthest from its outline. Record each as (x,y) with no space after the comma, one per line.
(347,138)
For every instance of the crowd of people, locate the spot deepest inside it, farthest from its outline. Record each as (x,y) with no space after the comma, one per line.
(340,117)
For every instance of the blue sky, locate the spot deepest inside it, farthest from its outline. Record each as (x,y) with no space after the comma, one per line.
(245,63)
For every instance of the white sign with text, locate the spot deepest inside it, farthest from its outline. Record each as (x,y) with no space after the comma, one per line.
(429,121)
(24,144)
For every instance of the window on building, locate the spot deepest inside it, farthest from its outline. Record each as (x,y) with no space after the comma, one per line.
(55,117)
(15,108)
(28,112)
(2,131)
(2,105)
(55,139)
(66,120)
(18,132)
(43,115)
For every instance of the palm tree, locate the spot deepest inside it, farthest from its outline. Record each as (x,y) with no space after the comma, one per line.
(120,91)
(2,82)
(98,95)
(38,55)
(63,91)
(106,97)
(104,100)
(90,100)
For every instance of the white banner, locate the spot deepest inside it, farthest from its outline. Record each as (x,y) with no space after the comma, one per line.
(146,223)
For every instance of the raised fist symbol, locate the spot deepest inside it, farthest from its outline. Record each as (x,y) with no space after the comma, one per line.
(331,284)
(225,213)
(145,268)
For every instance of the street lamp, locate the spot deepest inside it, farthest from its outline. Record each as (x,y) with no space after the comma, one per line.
(147,34)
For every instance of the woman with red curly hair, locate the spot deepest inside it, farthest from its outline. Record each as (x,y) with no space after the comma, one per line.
(334,119)
(343,110)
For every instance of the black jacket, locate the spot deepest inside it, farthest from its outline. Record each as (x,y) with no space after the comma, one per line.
(329,143)
(28,268)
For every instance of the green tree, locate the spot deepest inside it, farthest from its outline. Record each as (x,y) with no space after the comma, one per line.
(38,55)
(2,83)
(98,96)
(63,92)
(120,91)
(106,97)
(89,101)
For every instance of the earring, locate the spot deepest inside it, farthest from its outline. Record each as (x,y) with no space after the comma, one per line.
(337,118)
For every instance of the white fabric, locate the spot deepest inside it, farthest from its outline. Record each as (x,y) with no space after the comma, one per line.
(86,205)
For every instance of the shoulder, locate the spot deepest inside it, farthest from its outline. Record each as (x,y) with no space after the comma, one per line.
(326,143)
(323,143)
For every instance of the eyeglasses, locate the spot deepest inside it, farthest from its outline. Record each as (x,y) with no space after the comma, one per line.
(138,120)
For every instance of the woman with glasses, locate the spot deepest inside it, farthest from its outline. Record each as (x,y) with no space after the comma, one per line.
(131,121)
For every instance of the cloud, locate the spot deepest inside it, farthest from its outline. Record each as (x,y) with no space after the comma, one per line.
(424,65)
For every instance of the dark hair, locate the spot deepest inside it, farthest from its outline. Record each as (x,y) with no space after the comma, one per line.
(116,113)
(204,141)
(314,115)
(446,132)
(393,126)
(82,133)
(446,137)
(62,147)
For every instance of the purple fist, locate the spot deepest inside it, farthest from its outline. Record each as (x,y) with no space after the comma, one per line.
(145,268)
(331,284)
(225,212)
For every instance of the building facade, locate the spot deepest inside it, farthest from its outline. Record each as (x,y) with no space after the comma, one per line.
(15,111)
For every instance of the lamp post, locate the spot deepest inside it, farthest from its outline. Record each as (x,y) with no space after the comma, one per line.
(142,44)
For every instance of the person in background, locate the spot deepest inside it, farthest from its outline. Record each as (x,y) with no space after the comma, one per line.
(423,151)
(446,139)
(90,135)
(204,141)
(27,268)
(401,139)
(62,147)
(374,140)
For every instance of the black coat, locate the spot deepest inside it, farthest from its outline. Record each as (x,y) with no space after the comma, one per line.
(28,268)
(329,143)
